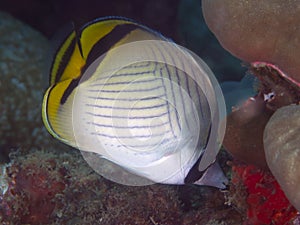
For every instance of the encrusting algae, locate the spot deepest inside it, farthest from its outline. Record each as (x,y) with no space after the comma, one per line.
(48,187)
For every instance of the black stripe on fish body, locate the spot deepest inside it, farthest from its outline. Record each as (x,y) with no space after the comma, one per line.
(208,136)
(46,116)
(100,48)
(77,37)
(194,174)
(59,52)
(73,84)
(63,55)
(106,43)
(65,60)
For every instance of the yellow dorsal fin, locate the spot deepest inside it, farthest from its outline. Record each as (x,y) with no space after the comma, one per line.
(96,31)
(74,51)
(68,61)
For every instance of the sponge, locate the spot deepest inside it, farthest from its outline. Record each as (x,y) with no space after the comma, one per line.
(282,150)
(258,30)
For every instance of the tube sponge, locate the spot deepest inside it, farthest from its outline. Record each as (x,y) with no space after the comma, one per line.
(282,150)
(258,30)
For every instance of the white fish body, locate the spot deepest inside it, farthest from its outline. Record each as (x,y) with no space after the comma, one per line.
(146,109)
(145,115)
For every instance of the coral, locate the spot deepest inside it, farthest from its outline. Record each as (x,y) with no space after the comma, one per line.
(244,131)
(258,30)
(51,187)
(34,183)
(264,201)
(282,148)
(277,88)
(48,187)
(207,207)
(246,124)
(263,33)
(22,66)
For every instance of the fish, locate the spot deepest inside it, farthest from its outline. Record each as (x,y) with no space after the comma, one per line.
(140,108)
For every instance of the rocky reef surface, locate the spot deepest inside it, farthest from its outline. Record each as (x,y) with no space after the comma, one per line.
(46,187)
(264,130)
(22,69)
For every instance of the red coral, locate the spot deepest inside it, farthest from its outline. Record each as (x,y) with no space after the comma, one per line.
(40,190)
(32,190)
(266,201)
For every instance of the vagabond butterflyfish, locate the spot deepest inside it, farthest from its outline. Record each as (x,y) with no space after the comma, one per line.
(140,108)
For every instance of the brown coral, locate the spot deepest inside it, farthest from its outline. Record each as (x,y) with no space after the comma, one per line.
(282,148)
(264,33)
(258,30)
(244,131)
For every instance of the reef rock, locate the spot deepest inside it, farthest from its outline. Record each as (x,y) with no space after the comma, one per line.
(23,53)
(46,187)
(282,150)
(258,30)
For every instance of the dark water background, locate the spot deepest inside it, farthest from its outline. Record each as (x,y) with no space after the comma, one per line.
(180,20)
